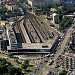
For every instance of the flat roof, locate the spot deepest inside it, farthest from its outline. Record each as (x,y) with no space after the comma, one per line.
(36,46)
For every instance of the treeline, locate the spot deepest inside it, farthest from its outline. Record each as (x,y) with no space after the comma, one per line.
(7,69)
(65,23)
(4,13)
(64,11)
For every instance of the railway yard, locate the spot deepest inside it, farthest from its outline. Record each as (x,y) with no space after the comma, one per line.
(36,42)
(31,33)
(35,33)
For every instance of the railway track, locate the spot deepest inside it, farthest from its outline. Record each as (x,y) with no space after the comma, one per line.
(36,30)
(39,27)
(44,32)
(29,34)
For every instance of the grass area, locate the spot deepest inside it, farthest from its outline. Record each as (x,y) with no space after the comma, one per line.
(41,73)
(31,67)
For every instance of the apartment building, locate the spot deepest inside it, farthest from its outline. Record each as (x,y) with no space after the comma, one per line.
(69,2)
(34,3)
(11,38)
(68,62)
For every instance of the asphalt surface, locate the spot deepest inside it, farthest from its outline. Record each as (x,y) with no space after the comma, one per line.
(60,51)
(62,47)
(40,66)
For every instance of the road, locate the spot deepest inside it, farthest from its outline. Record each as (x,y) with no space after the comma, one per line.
(62,47)
(38,69)
(60,51)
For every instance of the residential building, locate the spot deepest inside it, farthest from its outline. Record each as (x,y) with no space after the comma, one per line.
(34,3)
(11,38)
(58,2)
(9,7)
(68,62)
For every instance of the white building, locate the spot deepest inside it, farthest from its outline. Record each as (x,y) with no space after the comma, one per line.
(55,18)
(11,38)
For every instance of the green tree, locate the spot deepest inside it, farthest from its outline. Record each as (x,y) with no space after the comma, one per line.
(7,69)
(11,70)
(10,54)
(64,72)
(25,64)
